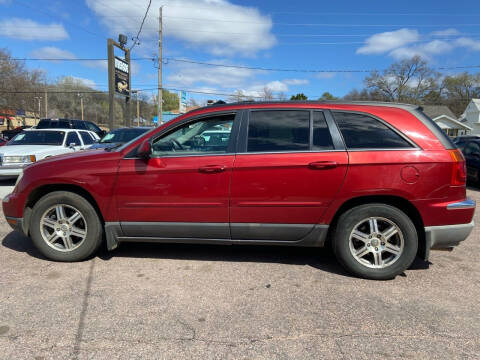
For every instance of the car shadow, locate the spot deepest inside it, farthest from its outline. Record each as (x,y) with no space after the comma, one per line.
(318,258)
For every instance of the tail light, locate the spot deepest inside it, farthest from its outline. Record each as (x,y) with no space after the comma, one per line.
(459,169)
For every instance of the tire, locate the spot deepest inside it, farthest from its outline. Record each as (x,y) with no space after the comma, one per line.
(80,235)
(395,239)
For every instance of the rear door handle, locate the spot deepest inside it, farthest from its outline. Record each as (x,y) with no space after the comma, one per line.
(211,169)
(322,165)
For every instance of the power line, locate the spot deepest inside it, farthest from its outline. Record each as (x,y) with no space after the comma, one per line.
(137,39)
(167,59)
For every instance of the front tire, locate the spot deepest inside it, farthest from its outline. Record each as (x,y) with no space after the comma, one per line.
(65,227)
(375,241)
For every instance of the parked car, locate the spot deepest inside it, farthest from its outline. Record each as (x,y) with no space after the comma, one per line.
(471,151)
(463,138)
(380,181)
(70,124)
(118,137)
(8,134)
(33,145)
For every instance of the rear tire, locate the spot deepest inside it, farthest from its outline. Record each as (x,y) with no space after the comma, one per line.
(375,241)
(65,227)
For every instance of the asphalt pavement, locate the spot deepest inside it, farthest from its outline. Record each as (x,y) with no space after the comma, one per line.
(153,301)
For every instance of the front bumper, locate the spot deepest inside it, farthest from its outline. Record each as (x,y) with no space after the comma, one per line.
(10,171)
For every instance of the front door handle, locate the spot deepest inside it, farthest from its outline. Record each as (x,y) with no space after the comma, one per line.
(211,169)
(322,165)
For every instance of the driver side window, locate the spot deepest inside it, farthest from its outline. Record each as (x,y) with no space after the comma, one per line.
(206,136)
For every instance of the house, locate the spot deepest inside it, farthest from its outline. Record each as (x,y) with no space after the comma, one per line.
(471,116)
(447,120)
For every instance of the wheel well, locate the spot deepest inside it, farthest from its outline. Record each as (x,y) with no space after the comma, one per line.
(401,203)
(41,191)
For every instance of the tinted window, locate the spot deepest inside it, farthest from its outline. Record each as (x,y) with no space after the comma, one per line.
(278,130)
(193,138)
(122,135)
(87,139)
(321,134)
(364,132)
(78,124)
(72,137)
(43,124)
(471,148)
(92,127)
(38,138)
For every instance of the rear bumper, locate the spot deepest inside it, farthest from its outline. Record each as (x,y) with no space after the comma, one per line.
(447,236)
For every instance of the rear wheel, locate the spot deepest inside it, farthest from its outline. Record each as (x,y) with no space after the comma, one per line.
(65,227)
(375,241)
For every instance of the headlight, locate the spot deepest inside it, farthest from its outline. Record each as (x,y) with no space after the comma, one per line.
(19,159)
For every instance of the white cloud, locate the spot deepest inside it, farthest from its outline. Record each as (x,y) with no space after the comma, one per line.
(468,43)
(387,41)
(87,82)
(446,32)
(296,81)
(26,29)
(52,52)
(186,74)
(426,50)
(217,26)
(325,75)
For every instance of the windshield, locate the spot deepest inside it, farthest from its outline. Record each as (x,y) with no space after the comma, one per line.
(122,135)
(38,138)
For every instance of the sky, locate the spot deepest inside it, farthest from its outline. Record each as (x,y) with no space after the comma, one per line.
(328,37)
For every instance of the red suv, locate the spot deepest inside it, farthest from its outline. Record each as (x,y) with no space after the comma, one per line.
(380,181)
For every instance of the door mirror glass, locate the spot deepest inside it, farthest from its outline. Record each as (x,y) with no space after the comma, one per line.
(72,145)
(145,150)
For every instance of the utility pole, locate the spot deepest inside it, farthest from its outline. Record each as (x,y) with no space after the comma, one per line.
(138,109)
(111,83)
(46,103)
(81,102)
(160,62)
(39,98)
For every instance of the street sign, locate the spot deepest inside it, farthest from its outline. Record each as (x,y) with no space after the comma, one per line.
(121,76)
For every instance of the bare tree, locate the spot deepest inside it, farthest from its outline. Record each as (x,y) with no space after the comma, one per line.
(237,96)
(266,93)
(404,81)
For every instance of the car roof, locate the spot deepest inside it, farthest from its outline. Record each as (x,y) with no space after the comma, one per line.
(56,129)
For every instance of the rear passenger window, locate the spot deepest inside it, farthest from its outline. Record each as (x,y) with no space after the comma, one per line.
(364,132)
(321,134)
(278,130)
(87,139)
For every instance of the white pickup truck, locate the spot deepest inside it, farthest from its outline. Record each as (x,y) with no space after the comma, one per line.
(32,145)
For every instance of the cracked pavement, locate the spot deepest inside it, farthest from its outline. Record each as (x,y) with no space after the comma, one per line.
(156,301)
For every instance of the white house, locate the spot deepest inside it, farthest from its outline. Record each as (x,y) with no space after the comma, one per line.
(471,116)
(446,119)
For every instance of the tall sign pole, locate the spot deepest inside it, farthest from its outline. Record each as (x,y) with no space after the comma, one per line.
(111,83)
(119,78)
(160,63)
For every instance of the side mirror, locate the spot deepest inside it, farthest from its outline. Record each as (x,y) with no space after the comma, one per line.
(102,133)
(144,150)
(72,145)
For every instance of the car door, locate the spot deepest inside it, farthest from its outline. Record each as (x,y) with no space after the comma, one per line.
(182,189)
(290,165)
(73,138)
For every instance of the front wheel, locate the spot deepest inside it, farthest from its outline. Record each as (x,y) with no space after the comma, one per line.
(375,241)
(65,227)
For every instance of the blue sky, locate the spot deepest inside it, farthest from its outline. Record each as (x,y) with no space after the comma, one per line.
(333,35)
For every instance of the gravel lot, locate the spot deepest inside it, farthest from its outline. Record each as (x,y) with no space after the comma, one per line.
(147,301)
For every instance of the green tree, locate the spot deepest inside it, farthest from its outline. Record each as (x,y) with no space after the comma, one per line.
(170,101)
(326,96)
(299,96)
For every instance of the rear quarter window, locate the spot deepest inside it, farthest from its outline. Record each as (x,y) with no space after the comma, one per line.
(361,131)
